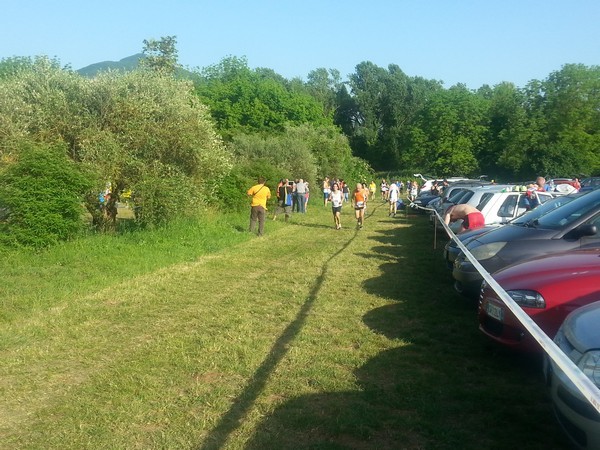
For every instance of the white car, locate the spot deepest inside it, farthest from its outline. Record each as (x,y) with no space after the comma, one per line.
(500,205)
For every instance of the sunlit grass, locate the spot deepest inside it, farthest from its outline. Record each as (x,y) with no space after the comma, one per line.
(203,336)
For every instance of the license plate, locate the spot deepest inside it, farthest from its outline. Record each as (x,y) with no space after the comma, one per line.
(497,312)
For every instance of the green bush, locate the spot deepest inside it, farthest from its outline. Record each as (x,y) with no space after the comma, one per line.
(41,194)
(163,194)
(232,189)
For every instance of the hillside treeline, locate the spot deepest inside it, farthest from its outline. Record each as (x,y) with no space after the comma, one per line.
(176,144)
(65,140)
(400,123)
(549,127)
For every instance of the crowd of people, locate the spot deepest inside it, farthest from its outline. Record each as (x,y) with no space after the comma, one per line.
(292,197)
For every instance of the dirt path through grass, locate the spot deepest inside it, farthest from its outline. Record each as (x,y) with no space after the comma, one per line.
(306,337)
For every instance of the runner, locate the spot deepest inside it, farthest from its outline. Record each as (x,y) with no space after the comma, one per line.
(384,190)
(393,198)
(359,201)
(337,198)
(372,189)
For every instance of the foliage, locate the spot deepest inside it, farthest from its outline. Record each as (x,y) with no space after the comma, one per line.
(242,100)
(382,107)
(550,127)
(161,55)
(41,194)
(121,127)
(450,131)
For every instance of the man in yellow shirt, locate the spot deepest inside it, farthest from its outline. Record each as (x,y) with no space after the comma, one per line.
(260,194)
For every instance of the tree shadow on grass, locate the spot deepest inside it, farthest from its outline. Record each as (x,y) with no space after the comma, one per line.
(232,419)
(441,386)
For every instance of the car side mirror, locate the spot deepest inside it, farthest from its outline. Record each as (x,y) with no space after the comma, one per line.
(587,229)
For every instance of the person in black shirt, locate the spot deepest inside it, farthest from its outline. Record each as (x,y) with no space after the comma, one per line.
(284,199)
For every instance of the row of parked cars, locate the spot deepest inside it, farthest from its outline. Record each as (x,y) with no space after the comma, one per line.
(547,258)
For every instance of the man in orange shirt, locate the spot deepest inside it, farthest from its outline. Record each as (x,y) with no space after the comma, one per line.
(258,207)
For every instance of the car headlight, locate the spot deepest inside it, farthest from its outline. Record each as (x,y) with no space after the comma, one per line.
(528,299)
(590,366)
(487,251)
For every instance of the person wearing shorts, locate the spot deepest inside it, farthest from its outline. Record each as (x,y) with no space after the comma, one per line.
(337,198)
(359,202)
(393,198)
(384,190)
(326,190)
(471,216)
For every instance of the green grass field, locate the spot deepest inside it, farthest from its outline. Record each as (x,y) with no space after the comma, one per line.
(203,336)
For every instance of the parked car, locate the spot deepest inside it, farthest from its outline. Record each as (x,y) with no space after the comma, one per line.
(457,193)
(579,339)
(451,250)
(572,226)
(498,207)
(589,184)
(423,200)
(547,288)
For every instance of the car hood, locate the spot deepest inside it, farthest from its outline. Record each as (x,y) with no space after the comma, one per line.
(510,232)
(581,327)
(551,269)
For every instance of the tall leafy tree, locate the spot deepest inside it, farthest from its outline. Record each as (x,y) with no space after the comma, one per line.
(387,103)
(507,131)
(243,100)
(450,132)
(161,55)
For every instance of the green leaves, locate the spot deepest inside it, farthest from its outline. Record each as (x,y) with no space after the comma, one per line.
(120,128)
(248,101)
(42,194)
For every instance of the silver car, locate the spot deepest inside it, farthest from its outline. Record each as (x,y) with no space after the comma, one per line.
(579,338)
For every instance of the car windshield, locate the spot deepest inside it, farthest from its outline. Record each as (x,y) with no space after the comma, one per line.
(485,198)
(464,198)
(454,195)
(571,212)
(544,208)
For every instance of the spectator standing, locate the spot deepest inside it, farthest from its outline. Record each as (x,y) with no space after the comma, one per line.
(284,198)
(260,193)
(295,204)
(326,190)
(346,191)
(414,191)
(541,185)
(301,196)
(306,196)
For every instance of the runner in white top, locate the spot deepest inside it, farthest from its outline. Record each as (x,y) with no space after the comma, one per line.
(337,198)
(393,197)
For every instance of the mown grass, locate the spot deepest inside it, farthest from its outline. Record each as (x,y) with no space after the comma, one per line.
(203,336)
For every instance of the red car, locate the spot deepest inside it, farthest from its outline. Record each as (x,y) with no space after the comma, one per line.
(547,288)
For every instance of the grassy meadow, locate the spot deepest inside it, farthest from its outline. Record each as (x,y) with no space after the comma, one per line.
(203,336)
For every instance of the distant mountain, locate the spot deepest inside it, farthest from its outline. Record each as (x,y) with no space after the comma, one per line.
(126,64)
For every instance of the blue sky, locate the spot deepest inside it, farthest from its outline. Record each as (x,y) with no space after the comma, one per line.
(471,42)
